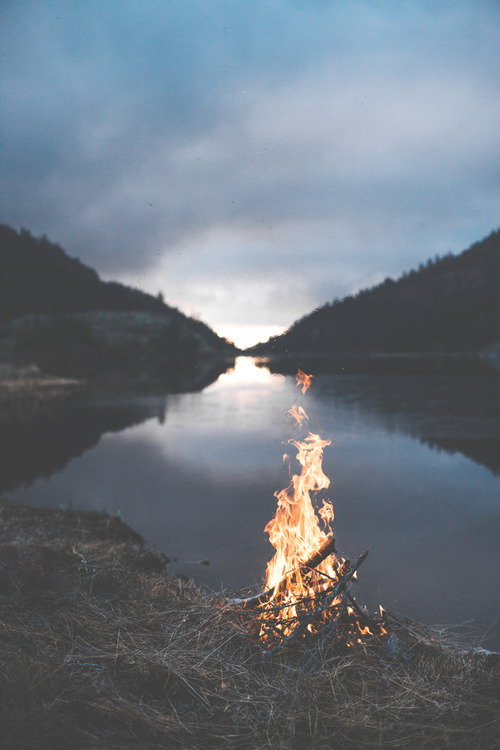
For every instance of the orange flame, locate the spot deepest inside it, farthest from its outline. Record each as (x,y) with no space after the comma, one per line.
(301,534)
(298,413)
(303,380)
(296,530)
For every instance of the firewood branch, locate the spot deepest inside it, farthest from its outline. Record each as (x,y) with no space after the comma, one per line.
(326,549)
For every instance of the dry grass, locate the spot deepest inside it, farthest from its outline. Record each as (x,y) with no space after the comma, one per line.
(101,648)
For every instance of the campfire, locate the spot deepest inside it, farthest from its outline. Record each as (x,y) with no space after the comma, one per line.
(307,590)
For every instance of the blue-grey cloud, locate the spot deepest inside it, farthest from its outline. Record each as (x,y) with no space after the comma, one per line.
(251,159)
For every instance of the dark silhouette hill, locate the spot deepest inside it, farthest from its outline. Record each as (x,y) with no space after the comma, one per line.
(450,304)
(57,313)
(37,277)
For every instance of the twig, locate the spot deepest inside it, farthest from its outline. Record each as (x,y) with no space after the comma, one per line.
(326,549)
(302,621)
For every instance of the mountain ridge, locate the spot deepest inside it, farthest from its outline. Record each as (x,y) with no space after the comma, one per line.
(450,304)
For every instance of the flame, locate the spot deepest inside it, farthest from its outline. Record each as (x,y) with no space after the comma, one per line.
(298,413)
(298,532)
(295,530)
(303,380)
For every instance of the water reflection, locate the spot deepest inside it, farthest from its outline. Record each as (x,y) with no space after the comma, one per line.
(456,414)
(196,474)
(39,439)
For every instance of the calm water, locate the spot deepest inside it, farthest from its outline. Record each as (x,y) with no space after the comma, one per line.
(413,463)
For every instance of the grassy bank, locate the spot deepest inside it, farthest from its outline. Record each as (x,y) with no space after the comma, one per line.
(24,383)
(102,648)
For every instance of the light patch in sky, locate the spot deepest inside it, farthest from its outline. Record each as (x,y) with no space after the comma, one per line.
(246,335)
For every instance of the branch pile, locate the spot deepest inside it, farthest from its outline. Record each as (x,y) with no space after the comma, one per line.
(330,615)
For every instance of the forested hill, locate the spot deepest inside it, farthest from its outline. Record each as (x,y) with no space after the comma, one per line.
(57,314)
(450,304)
(38,277)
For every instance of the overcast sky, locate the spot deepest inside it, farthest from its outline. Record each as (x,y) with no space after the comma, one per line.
(251,159)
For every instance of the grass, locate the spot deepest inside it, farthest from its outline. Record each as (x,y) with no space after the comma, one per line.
(102,648)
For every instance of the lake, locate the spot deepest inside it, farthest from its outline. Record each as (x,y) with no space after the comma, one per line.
(414,468)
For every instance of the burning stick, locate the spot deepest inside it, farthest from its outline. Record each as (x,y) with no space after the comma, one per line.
(326,549)
(327,613)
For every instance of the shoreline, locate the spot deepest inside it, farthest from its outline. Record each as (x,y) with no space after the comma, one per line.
(382,363)
(30,382)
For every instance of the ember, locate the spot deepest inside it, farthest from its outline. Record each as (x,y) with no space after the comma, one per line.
(307,586)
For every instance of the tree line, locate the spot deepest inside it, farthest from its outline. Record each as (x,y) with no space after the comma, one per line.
(37,277)
(450,304)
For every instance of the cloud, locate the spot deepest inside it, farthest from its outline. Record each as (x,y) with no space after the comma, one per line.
(252,159)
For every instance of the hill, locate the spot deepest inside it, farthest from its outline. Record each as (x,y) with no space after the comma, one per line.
(57,313)
(450,304)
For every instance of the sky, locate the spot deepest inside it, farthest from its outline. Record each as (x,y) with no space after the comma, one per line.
(251,160)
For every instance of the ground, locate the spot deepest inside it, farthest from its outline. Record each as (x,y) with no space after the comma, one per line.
(102,648)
